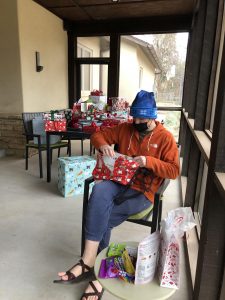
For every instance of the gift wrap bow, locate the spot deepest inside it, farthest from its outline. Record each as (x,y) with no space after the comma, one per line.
(96,93)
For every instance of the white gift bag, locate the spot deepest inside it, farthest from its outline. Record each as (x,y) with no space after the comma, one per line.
(168,266)
(173,227)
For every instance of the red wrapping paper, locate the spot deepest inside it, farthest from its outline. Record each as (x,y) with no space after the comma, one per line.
(55,125)
(91,128)
(123,170)
(101,171)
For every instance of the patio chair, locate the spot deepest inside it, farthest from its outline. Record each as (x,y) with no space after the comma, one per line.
(150,217)
(28,132)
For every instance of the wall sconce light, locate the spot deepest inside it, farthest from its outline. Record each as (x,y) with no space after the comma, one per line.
(39,68)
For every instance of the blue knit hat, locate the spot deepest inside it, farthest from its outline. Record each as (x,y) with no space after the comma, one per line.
(144,106)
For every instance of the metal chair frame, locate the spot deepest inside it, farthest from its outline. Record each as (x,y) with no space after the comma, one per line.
(28,128)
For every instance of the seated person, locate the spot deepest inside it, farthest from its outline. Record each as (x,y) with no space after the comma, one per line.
(155,149)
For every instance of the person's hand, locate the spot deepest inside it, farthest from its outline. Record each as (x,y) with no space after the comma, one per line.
(107,150)
(141,160)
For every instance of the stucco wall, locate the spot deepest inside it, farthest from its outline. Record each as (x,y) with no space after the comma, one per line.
(129,71)
(131,59)
(40,30)
(148,71)
(10,70)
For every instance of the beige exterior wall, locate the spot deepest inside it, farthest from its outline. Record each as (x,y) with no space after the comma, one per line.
(129,71)
(11,100)
(26,27)
(40,30)
(131,59)
(148,71)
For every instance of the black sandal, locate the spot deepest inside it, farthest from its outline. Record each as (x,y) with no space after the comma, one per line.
(72,278)
(95,293)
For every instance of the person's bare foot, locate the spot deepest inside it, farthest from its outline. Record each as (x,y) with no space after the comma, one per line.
(90,289)
(76,271)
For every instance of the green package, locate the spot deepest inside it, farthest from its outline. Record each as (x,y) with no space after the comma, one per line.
(115,249)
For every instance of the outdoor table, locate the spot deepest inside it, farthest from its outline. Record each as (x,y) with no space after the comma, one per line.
(70,135)
(130,291)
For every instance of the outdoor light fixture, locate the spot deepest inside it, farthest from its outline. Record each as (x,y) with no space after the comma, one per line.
(39,68)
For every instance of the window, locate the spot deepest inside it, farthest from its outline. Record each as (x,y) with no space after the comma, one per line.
(86,71)
(100,46)
(171,121)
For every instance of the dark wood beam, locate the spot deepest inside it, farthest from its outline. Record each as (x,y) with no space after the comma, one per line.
(194,60)
(206,63)
(210,263)
(192,173)
(114,66)
(214,64)
(211,257)
(72,50)
(156,24)
(218,140)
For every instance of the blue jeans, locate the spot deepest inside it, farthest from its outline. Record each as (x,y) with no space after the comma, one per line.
(103,214)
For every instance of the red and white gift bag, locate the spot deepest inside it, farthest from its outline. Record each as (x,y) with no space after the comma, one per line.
(168,265)
(178,221)
(120,168)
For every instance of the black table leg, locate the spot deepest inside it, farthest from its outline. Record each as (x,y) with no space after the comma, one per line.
(48,157)
(82,147)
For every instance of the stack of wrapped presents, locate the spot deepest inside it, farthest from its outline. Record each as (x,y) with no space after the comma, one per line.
(97,112)
(55,121)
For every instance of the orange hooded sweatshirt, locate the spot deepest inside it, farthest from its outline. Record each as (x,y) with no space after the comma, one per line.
(159,148)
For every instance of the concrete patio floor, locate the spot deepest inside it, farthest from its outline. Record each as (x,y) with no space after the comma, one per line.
(41,231)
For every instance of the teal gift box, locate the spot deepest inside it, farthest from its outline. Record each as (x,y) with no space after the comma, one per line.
(72,172)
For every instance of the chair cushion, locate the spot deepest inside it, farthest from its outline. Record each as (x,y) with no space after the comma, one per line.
(141,214)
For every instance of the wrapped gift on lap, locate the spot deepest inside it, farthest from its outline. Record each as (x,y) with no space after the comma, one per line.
(124,169)
(101,171)
(120,168)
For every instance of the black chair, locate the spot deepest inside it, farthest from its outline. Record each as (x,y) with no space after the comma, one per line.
(28,132)
(150,217)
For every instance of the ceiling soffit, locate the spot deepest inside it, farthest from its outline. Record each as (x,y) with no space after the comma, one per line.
(102,10)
